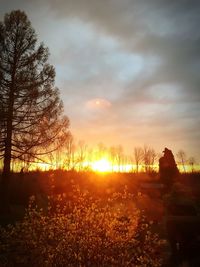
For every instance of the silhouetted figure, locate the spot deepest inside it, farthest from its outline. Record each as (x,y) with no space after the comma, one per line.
(167,168)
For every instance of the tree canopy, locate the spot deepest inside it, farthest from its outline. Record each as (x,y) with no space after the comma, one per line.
(31,110)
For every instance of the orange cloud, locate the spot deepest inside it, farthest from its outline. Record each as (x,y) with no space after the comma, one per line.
(98,103)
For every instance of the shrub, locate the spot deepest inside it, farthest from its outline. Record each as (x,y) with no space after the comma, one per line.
(82,230)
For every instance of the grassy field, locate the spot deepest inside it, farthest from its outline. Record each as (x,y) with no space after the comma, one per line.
(127,206)
(43,184)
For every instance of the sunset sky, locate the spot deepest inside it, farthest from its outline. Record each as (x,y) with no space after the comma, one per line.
(128,70)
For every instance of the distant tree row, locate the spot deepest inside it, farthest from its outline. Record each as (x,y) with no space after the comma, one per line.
(77,155)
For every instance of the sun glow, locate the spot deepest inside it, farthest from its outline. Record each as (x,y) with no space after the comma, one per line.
(102,165)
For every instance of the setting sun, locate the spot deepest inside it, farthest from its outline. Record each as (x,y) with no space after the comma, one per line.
(102,165)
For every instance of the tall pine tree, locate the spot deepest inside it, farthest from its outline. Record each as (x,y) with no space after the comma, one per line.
(30,107)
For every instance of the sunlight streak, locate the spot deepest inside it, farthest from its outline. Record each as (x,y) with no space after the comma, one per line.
(102,165)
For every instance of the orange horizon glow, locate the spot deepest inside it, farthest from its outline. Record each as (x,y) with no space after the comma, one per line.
(98,164)
(102,165)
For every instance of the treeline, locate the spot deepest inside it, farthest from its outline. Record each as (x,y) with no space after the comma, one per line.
(77,155)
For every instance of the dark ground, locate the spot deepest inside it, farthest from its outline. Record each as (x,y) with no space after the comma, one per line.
(175,214)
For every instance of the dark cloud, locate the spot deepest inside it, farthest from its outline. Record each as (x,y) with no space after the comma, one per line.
(167,30)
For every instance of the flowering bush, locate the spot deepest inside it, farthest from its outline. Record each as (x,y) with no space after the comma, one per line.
(81,230)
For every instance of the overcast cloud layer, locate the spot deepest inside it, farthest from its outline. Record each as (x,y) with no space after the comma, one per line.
(128,70)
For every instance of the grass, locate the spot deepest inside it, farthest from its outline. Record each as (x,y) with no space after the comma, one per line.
(101,187)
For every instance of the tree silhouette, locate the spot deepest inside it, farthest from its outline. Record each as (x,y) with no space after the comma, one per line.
(81,154)
(30,106)
(181,155)
(69,156)
(191,162)
(149,157)
(138,155)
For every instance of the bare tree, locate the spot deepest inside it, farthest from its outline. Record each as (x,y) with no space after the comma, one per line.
(191,162)
(149,156)
(56,155)
(181,155)
(116,157)
(119,157)
(29,102)
(70,162)
(112,156)
(101,150)
(138,155)
(81,154)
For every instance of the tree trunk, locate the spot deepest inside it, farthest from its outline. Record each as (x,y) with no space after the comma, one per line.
(6,174)
(4,190)
(5,180)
